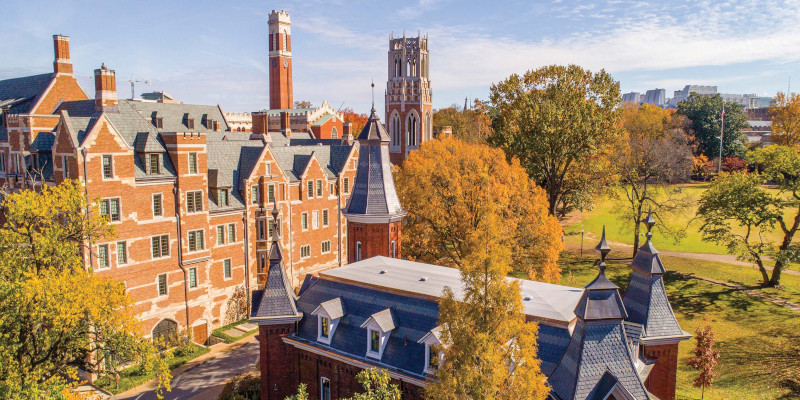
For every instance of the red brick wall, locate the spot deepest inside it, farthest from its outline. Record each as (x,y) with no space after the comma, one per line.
(325,130)
(375,239)
(662,379)
(65,88)
(278,378)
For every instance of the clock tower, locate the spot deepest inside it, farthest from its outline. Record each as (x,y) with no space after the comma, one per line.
(280,61)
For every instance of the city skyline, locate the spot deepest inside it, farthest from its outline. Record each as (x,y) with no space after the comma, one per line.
(219,53)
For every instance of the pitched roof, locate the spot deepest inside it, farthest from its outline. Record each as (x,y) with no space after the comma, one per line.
(275,304)
(20,94)
(293,160)
(229,163)
(174,115)
(373,131)
(334,308)
(374,193)
(383,318)
(601,299)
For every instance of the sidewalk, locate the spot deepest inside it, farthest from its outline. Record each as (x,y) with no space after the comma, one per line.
(205,376)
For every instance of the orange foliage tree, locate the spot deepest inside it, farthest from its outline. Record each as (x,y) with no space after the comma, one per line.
(460,196)
(358,120)
(785,111)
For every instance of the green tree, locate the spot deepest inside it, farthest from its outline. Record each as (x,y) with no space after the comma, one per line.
(704,113)
(561,123)
(457,193)
(54,314)
(377,385)
(654,154)
(473,125)
(301,394)
(490,351)
(705,358)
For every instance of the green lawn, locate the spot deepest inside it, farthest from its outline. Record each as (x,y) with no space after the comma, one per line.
(592,221)
(759,342)
(134,376)
(220,332)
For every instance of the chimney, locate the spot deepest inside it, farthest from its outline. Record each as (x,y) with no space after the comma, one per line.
(286,127)
(62,63)
(105,89)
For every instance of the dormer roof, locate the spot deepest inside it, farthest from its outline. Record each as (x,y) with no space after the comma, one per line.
(333,307)
(383,318)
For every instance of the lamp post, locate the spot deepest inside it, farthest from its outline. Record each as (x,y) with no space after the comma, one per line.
(581,243)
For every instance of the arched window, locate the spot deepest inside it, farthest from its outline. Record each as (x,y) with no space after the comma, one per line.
(427,128)
(414,68)
(408,67)
(334,133)
(358,251)
(412,123)
(396,67)
(165,332)
(394,131)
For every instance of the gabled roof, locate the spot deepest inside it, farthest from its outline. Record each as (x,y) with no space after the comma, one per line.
(148,142)
(174,114)
(374,193)
(294,160)
(20,94)
(334,308)
(275,304)
(383,318)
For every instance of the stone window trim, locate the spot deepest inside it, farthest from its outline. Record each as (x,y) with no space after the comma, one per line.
(325,221)
(107,206)
(304,221)
(195,240)
(326,247)
(315,219)
(319,187)
(162,285)
(157,205)
(310,189)
(107,167)
(122,252)
(325,388)
(192,164)
(194,201)
(231,233)
(220,235)
(192,278)
(358,251)
(227,270)
(305,251)
(159,246)
(103,256)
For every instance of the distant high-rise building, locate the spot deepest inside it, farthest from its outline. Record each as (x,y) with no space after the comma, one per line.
(632,97)
(656,97)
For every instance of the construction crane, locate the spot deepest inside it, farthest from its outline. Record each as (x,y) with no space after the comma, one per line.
(133,82)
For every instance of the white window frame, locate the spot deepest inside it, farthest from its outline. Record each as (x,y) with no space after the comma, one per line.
(262,230)
(306,248)
(192,278)
(319,188)
(270,193)
(198,245)
(103,166)
(304,221)
(193,163)
(231,233)
(322,381)
(220,235)
(310,189)
(325,218)
(255,194)
(322,247)
(64,165)
(314,219)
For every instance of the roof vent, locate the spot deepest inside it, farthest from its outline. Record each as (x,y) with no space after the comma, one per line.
(423,279)
(383,271)
(527,298)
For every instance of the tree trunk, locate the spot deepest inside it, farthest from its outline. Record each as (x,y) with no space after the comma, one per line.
(776,274)
(764,276)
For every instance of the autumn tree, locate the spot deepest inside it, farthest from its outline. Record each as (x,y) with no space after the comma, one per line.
(377,384)
(358,120)
(654,154)
(303,104)
(55,315)
(785,111)
(302,393)
(471,125)
(561,123)
(456,193)
(705,358)
(489,350)
(704,114)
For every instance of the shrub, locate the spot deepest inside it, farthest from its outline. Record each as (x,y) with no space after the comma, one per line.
(732,164)
(245,386)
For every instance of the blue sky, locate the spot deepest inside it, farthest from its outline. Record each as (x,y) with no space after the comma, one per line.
(215,52)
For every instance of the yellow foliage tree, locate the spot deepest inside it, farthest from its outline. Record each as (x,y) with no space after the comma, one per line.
(54,314)
(458,193)
(489,351)
(785,111)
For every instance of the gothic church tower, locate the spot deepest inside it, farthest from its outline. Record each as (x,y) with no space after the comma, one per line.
(280,61)
(409,113)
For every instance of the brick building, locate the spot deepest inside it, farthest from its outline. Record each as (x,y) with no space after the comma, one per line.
(409,111)
(188,197)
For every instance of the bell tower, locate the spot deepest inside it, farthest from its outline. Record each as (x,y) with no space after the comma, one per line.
(409,113)
(280,61)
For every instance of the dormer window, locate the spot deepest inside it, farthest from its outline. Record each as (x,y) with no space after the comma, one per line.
(328,315)
(153,164)
(158,122)
(222,197)
(379,327)
(433,354)
(189,122)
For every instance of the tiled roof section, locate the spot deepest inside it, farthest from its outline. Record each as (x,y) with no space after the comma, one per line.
(276,302)
(20,94)
(230,162)
(647,259)
(148,142)
(80,127)
(323,120)
(383,318)
(293,160)
(600,300)
(647,304)
(594,349)
(374,192)
(334,308)
(552,341)
(78,108)
(174,115)
(604,387)
(633,334)
(413,317)
(373,131)
(43,142)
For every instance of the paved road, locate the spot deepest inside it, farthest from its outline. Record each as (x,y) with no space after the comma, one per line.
(208,376)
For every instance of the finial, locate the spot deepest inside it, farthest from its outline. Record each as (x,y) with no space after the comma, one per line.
(603,248)
(649,222)
(373,94)
(275,220)
(103,66)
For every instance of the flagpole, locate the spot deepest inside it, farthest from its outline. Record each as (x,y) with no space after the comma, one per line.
(721,133)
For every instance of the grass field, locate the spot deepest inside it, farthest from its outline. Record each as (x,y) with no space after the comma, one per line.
(220,332)
(759,342)
(135,376)
(592,221)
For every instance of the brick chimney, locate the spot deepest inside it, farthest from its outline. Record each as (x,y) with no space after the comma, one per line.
(105,89)
(286,125)
(62,64)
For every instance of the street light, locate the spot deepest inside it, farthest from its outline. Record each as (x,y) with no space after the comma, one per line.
(581,243)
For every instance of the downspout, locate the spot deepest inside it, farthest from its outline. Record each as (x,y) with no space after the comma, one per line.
(246,259)
(291,241)
(88,202)
(339,221)
(180,254)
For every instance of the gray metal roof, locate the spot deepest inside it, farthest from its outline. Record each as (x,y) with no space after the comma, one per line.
(596,347)
(647,259)
(374,132)
(601,299)
(541,300)
(276,302)
(20,94)
(647,304)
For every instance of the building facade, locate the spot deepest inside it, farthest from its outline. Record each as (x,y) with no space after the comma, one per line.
(409,111)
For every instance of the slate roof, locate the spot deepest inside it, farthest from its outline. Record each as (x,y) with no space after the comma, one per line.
(646,298)
(20,94)
(43,142)
(600,300)
(413,318)
(334,308)
(293,160)
(374,193)
(230,161)
(383,318)
(374,131)
(174,115)
(596,347)
(275,304)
